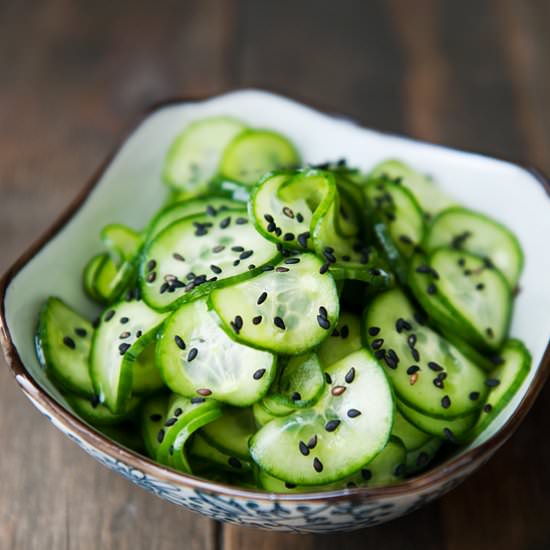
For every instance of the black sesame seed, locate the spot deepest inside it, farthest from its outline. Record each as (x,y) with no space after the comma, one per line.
(302,239)
(268,268)
(197,400)
(201,231)
(445,401)
(366,474)
(350,375)
(271,227)
(199,279)
(480,286)
(312,442)
(258,374)
(179,342)
(246,254)
(178,257)
(299,217)
(422,459)
(225,222)
(304,449)
(241,221)
(377,343)
(281,269)
(323,311)
(317,465)
(268,218)
(109,315)
(323,322)
(290,485)
(447,432)
(251,267)
(474,396)
(438,383)
(151,277)
(290,261)
(234,462)
(373,331)
(193,352)
(492,382)
(257,320)
(489,332)
(389,360)
(278,322)
(238,322)
(96,322)
(160,436)
(415,354)
(413,369)
(353,413)
(178,412)
(164,287)
(218,248)
(411,340)
(138,334)
(210,210)
(124,335)
(347,258)
(329,256)
(262,298)
(278,231)
(296,396)
(151,264)
(401,325)
(423,269)
(399,471)
(331,425)
(328,378)
(432,289)
(288,236)
(496,360)
(236,263)
(436,367)
(344,331)
(155,417)
(467,272)
(216,269)
(123,348)
(170,421)
(324,268)
(461,262)
(69,342)
(487,407)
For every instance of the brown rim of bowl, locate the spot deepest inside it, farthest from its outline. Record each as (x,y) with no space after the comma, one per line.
(455,467)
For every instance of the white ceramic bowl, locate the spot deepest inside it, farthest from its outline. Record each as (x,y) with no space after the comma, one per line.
(128,189)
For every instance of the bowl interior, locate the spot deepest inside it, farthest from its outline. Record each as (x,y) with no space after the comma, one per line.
(130,190)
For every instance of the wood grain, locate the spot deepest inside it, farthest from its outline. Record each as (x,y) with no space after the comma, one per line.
(470,74)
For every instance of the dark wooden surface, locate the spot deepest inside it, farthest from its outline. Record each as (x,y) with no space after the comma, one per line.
(73,74)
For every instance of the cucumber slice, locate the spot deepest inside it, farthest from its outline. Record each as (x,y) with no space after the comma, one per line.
(427,372)
(397,208)
(346,429)
(63,340)
(123,242)
(344,339)
(387,468)
(286,206)
(194,156)
(183,209)
(254,152)
(97,414)
(124,332)
(398,263)
(231,189)
(473,232)
(146,376)
(408,433)
(183,417)
(153,417)
(451,429)
(231,432)
(90,275)
(418,459)
(509,376)
(299,385)
(201,449)
(474,294)
(429,196)
(192,256)
(196,357)
(287,310)
(261,415)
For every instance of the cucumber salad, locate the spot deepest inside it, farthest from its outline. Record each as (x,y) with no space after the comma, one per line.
(292,327)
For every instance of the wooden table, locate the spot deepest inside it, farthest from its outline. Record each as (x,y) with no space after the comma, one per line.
(470,73)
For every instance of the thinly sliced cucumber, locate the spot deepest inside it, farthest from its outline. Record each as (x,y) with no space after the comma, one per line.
(122,241)
(387,468)
(397,261)
(261,415)
(124,332)
(505,380)
(153,417)
(451,429)
(183,417)
(254,152)
(63,340)
(352,205)
(430,197)
(196,357)
(408,433)
(286,206)
(427,372)
(473,232)
(344,339)
(397,208)
(231,432)
(90,275)
(418,459)
(287,310)
(200,448)
(192,207)
(192,256)
(299,385)
(194,156)
(346,429)
(146,376)
(113,280)
(97,414)
(230,189)
(474,294)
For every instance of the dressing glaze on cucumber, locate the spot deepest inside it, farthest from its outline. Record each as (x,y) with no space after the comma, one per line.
(291,327)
